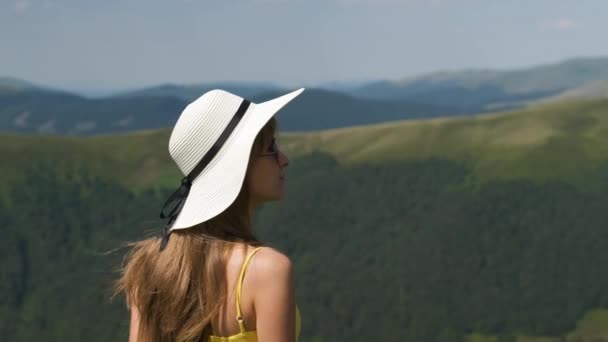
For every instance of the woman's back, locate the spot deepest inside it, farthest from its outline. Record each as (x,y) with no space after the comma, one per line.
(255,275)
(267,299)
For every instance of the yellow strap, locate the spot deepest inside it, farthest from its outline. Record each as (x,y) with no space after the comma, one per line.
(239,316)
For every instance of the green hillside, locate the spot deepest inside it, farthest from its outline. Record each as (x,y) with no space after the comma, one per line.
(470,229)
(528,143)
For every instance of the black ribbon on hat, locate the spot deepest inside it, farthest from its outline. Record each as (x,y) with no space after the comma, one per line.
(177,200)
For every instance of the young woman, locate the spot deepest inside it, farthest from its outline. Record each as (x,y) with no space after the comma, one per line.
(208,278)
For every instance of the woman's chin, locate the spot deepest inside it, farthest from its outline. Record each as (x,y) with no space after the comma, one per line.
(274,197)
(278,196)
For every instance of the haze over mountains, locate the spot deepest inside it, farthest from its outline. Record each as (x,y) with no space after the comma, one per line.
(549,78)
(29,108)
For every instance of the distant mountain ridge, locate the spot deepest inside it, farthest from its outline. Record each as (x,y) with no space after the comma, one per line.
(29,108)
(566,74)
(46,112)
(40,111)
(192,91)
(15,84)
(483,89)
(544,78)
(592,90)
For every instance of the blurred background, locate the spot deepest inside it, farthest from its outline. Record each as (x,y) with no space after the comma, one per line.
(449,158)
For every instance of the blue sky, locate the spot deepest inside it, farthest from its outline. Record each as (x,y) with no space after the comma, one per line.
(132,43)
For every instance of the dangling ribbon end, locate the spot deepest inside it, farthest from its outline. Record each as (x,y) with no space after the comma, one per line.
(179,197)
(164,238)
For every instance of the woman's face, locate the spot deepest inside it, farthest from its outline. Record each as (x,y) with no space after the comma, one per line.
(266,176)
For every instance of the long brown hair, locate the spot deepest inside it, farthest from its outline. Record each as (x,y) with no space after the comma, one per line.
(180,290)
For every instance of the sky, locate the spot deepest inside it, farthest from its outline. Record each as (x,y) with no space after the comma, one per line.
(133,43)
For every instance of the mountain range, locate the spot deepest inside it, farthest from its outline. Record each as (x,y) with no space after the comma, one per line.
(29,108)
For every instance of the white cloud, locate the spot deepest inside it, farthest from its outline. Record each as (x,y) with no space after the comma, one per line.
(558,24)
(22,6)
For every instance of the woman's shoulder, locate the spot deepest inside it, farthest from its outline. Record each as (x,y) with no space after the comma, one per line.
(268,259)
(273,282)
(270,263)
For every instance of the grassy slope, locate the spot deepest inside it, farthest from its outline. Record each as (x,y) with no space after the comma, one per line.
(137,160)
(566,141)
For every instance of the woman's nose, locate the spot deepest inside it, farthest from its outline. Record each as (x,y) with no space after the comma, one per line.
(283,160)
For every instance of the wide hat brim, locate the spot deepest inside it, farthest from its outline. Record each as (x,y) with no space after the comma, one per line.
(218,185)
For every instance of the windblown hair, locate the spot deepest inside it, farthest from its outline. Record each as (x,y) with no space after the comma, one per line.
(182,289)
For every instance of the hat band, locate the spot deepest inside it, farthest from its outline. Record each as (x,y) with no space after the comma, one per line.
(180,195)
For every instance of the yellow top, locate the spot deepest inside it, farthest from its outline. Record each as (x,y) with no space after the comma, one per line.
(248,336)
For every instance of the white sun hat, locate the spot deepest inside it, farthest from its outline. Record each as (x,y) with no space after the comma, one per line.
(210,144)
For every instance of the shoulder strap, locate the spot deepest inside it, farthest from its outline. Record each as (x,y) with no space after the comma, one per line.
(239,316)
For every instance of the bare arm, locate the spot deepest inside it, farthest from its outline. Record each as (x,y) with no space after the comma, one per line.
(134,326)
(274,297)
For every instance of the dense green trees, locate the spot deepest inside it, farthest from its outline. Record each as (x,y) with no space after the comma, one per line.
(408,251)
